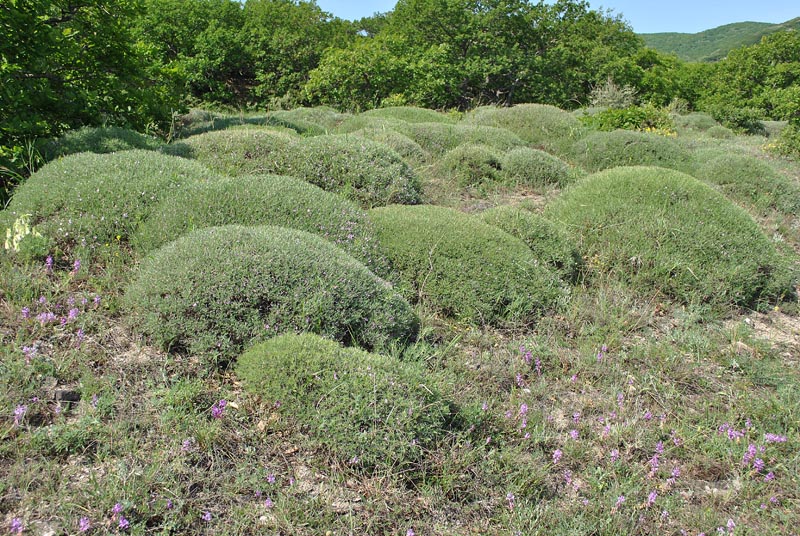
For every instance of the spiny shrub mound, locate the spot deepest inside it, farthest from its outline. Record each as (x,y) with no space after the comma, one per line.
(751,181)
(402,144)
(321,117)
(541,125)
(98,140)
(603,150)
(91,199)
(694,122)
(463,267)
(411,114)
(438,138)
(361,170)
(369,410)
(665,231)
(534,168)
(359,122)
(471,165)
(238,151)
(718,132)
(215,290)
(550,245)
(264,200)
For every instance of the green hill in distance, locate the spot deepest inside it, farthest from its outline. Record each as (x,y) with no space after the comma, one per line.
(714,44)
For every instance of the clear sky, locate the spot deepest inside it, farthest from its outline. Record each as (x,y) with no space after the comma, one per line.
(645,16)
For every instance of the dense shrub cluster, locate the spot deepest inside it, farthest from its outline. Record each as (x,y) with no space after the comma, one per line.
(411,114)
(750,181)
(550,245)
(362,170)
(664,230)
(738,118)
(535,168)
(98,140)
(263,200)
(91,199)
(471,165)
(320,117)
(694,122)
(463,267)
(643,118)
(789,141)
(400,143)
(215,290)
(369,410)
(603,150)
(718,132)
(540,125)
(438,138)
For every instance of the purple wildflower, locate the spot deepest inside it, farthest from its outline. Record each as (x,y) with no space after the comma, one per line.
(45,318)
(26,312)
(29,352)
(774,438)
(538,365)
(769,477)
(48,264)
(19,414)
(731,525)
(16,526)
(76,266)
(73,314)
(749,455)
(410,532)
(651,498)
(218,408)
(520,381)
(648,415)
(206,516)
(758,464)
(660,447)
(97,299)
(117,508)
(271,478)
(484,406)
(574,434)
(84,524)
(620,500)
(614,455)
(268,503)
(510,498)
(42,300)
(557,454)
(523,409)
(170,506)
(123,523)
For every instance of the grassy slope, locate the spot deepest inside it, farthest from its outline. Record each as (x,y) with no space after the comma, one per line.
(564,442)
(714,44)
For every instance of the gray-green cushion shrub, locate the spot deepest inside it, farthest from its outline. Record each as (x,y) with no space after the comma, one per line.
(411,114)
(438,138)
(361,121)
(319,118)
(664,231)
(215,290)
(540,125)
(550,245)
(371,411)
(465,268)
(471,166)
(98,140)
(367,172)
(238,151)
(750,181)
(91,199)
(604,150)
(694,122)
(264,200)
(718,132)
(402,144)
(534,168)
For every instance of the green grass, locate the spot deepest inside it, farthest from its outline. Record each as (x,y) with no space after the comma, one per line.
(215,290)
(464,268)
(666,232)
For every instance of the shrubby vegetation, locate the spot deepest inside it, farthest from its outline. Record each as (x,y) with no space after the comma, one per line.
(464,268)
(603,150)
(664,231)
(471,166)
(263,200)
(534,168)
(98,140)
(215,290)
(87,200)
(550,245)
(643,118)
(410,150)
(373,412)
(438,138)
(411,114)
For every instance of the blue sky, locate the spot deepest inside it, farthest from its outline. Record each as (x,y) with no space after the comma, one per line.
(645,16)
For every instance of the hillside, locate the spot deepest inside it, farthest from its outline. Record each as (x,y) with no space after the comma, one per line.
(714,44)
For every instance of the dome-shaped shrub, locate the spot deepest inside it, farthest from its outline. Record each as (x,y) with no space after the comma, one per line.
(99,140)
(362,170)
(694,122)
(665,231)
(438,138)
(371,411)
(550,245)
(604,150)
(718,132)
(410,114)
(264,200)
(238,151)
(361,121)
(534,168)
(751,181)
(402,144)
(91,199)
(215,290)
(463,267)
(320,118)
(540,125)
(470,165)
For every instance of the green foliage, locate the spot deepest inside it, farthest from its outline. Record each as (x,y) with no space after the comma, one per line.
(665,231)
(438,138)
(371,411)
(238,152)
(550,245)
(745,120)
(718,132)
(788,143)
(361,170)
(643,118)
(98,140)
(694,122)
(90,200)
(322,117)
(215,290)
(540,125)
(463,267)
(534,168)
(263,200)
(471,166)
(603,150)
(751,182)
(410,114)
(400,143)
(610,95)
